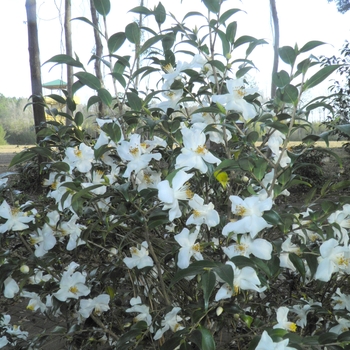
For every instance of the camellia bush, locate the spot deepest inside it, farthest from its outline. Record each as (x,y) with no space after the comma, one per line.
(172,229)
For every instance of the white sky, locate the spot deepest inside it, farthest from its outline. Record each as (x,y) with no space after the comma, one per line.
(300,21)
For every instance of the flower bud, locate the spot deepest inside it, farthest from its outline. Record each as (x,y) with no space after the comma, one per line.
(219,311)
(245,179)
(24,269)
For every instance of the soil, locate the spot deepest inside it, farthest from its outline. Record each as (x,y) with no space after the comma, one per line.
(35,323)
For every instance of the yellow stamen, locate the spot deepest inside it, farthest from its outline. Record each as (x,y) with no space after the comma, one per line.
(30,307)
(73,289)
(196,213)
(292,327)
(147,178)
(196,247)
(78,153)
(134,150)
(200,150)
(240,210)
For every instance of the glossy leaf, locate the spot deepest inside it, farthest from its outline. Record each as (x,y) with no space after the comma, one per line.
(105,96)
(320,76)
(311,45)
(102,7)
(116,41)
(132,33)
(212,5)
(208,284)
(141,10)
(150,42)
(281,79)
(298,264)
(134,101)
(79,118)
(227,14)
(287,55)
(89,80)
(160,14)
(231,31)
(65,59)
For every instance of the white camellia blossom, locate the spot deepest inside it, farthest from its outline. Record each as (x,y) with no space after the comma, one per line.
(266,343)
(194,154)
(282,320)
(96,305)
(342,301)
(171,321)
(234,100)
(189,247)
(275,140)
(301,312)
(96,178)
(11,288)
(35,302)
(3,341)
(16,220)
(342,219)
(133,154)
(179,190)
(342,326)
(72,284)
(147,178)
(73,230)
(334,258)
(172,97)
(80,157)
(202,213)
(245,279)
(43,240)
(245,246)
(250,210)
(142,310)
(139,257)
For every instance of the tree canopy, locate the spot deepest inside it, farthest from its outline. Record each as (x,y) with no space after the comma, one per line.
(342,5)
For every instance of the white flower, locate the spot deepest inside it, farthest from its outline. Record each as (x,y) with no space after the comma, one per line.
(43,240)
(245,246)
(342,301)
(266,343)
(250,210)
(245,279)
(80,157)
(282,321)
(275,141)
(172,74)
(139,257)
(188,247)
(341,219)
(234,100)
(95,179)
(72,284)
(62,192)
(302,312)
(202,213)
(171,321)
(132,152)
(333,258)
(10,288)
(142,310)
(343,325)
(194,154)
(3,341)
(170,196)
(17,220)
(147,178)
(72,229)
(97,305)
(35,302)
(285,159)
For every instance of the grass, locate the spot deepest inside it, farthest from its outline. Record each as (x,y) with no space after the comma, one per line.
(13,148)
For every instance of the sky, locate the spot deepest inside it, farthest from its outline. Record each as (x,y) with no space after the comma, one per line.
(300,21)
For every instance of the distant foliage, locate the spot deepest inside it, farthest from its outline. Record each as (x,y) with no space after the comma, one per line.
(2,136)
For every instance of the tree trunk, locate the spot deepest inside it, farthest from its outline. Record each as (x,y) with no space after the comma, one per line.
(34,62)
(69,51)
(98,53)
(276,42)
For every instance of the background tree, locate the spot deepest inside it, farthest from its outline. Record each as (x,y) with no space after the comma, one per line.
(69,50)
(276,40)
(34,61)
(342,5)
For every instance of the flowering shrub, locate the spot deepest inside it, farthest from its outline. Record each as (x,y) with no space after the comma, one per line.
(163,233)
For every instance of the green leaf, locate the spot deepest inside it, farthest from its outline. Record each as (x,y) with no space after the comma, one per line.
(57,98)
(132,33)
(150,42)
(208,342)
(225,43)
(226,15)
(119,77)
(287,55)
(22,157)
(142,10)
(92,100)
(65,59)
(218,64)
(281,79)
(116,41)
(214,110)
(231,31)
(88,79)
(328,337)
(168,41)
(321,75)
(60,166)
(311,45)
(272,217)
(252,137)
(208,284)
(212,5)
(243,40)
(79,118)
(160,14)
(134,101)
(105,96)
(113,131)
(260,168)
(289,94)
(86,20)
(298,264)
(340,185)
(102,7)
(344,128)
